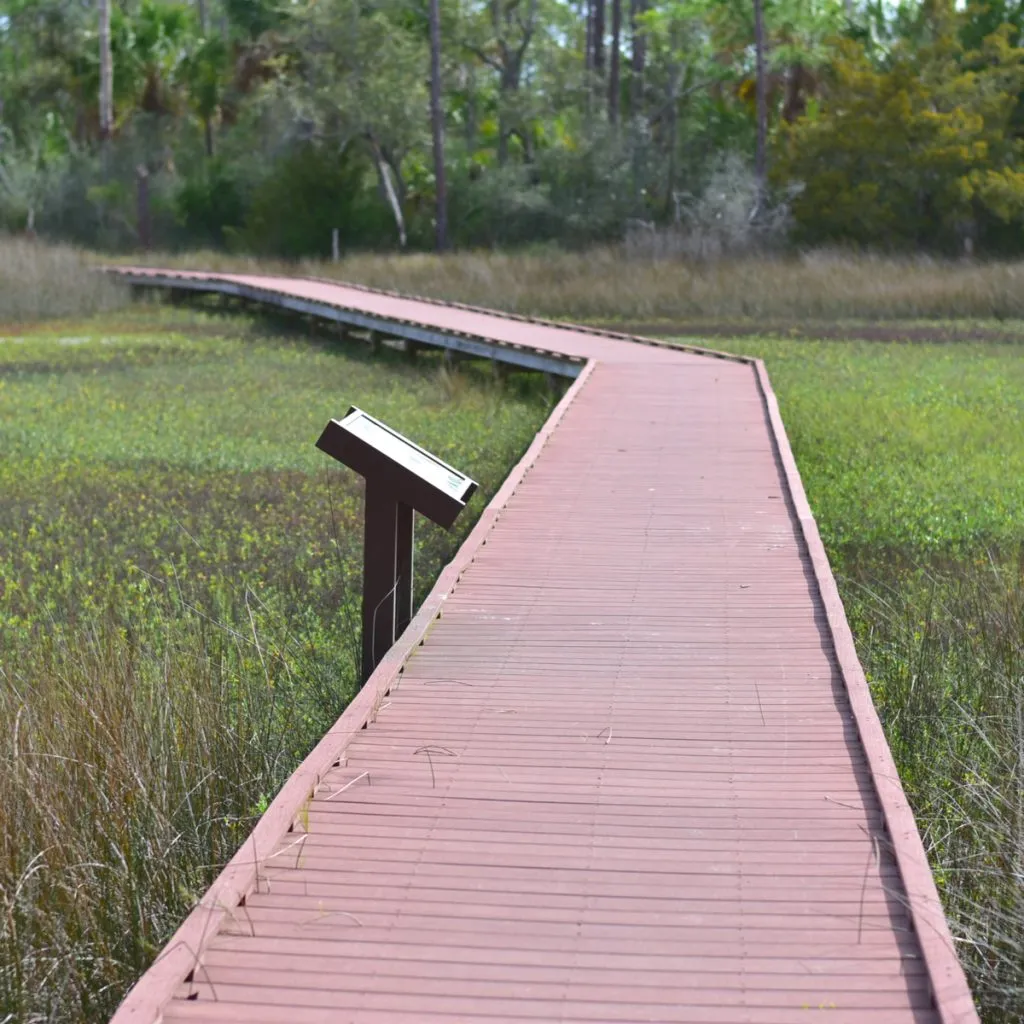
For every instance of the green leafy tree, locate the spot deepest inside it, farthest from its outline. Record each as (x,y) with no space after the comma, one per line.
(917,153)
(357,73)
(206,73)
(310,191)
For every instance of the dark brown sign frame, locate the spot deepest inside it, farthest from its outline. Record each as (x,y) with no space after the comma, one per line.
(401,477)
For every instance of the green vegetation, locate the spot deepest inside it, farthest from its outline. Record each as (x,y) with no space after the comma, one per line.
(911,449)
(570,122)
(178,572)
(913,460)
(958,179)
(179,586)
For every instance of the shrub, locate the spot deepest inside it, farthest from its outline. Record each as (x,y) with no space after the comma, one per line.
(209,204)
(919,153)
(310,191)
(572,194)
(726,219)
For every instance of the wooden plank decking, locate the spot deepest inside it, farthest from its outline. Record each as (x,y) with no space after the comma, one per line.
(623,765)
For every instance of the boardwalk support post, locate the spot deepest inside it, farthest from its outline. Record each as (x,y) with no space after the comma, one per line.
(400,478)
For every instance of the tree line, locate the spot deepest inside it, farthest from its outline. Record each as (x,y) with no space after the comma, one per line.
(282,127)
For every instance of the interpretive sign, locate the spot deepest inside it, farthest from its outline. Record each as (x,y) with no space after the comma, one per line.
(400,477)
(417,478)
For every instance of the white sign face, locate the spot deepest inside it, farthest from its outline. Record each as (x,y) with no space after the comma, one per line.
(405,454)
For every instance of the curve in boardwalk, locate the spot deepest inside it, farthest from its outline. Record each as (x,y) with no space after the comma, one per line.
(622,766)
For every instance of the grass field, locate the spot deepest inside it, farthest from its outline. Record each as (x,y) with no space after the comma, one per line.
(179,580)
(176,575)
(913,460)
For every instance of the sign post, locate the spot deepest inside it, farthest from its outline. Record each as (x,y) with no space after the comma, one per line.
(387,572)
(400,478)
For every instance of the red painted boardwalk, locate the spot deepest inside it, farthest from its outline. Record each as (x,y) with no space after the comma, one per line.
(631,773)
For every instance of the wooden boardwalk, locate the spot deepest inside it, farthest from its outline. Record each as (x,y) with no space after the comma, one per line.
(623,766)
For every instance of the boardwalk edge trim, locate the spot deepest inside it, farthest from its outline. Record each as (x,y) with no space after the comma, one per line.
(950,991)
(181,956)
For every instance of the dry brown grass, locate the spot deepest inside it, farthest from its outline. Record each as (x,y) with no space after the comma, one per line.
(603,284)
(38,280)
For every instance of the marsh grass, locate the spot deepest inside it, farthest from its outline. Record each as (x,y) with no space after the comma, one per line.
(605,284)
(943,648)
(216,650)
(179,577)
(913,459)
(912,449)
(39,280)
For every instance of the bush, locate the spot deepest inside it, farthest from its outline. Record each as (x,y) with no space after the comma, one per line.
(921,153)
(571,194)
(209,205)
(726,219)
(308,193)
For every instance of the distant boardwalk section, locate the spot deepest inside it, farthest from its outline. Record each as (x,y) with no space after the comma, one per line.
(622,766)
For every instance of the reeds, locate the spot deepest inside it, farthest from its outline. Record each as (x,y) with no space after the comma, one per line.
(133,762)
(944,650)
(606,284)
(38,280)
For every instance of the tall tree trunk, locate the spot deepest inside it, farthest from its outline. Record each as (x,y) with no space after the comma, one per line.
(638,56)
(390,193)
(106,71)
(613,76)
(503,134)
(437,126)
(761,154)
(598,36)
(508,88)
(470,123)
(203,19)
(588,47)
